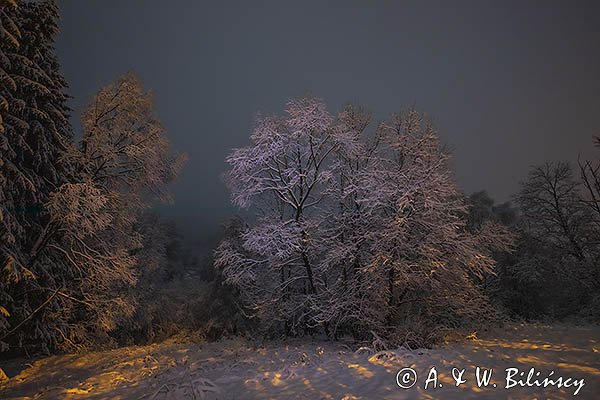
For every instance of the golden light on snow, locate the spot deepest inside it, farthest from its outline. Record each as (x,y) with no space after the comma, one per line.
(272,372)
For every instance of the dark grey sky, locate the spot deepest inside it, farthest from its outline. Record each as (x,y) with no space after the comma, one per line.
(509,84)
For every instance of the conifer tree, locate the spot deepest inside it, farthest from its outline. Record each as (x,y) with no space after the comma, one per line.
(34,132)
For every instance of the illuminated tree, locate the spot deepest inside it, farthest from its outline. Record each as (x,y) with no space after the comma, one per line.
(351,229)
(427,261)
(285,174)
(86,252)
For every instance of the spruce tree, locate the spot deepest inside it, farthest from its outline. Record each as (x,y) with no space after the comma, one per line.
(34,132)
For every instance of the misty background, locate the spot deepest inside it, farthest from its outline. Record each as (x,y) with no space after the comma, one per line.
(508,84)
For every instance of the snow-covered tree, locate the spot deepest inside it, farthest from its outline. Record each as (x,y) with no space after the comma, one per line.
(10,36)
(419,237)
(349,304)
(353,231)
(285,175)
(122,164)
(86,251)
(34,132)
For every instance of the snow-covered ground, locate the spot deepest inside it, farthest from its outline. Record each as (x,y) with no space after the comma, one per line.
(304,369)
